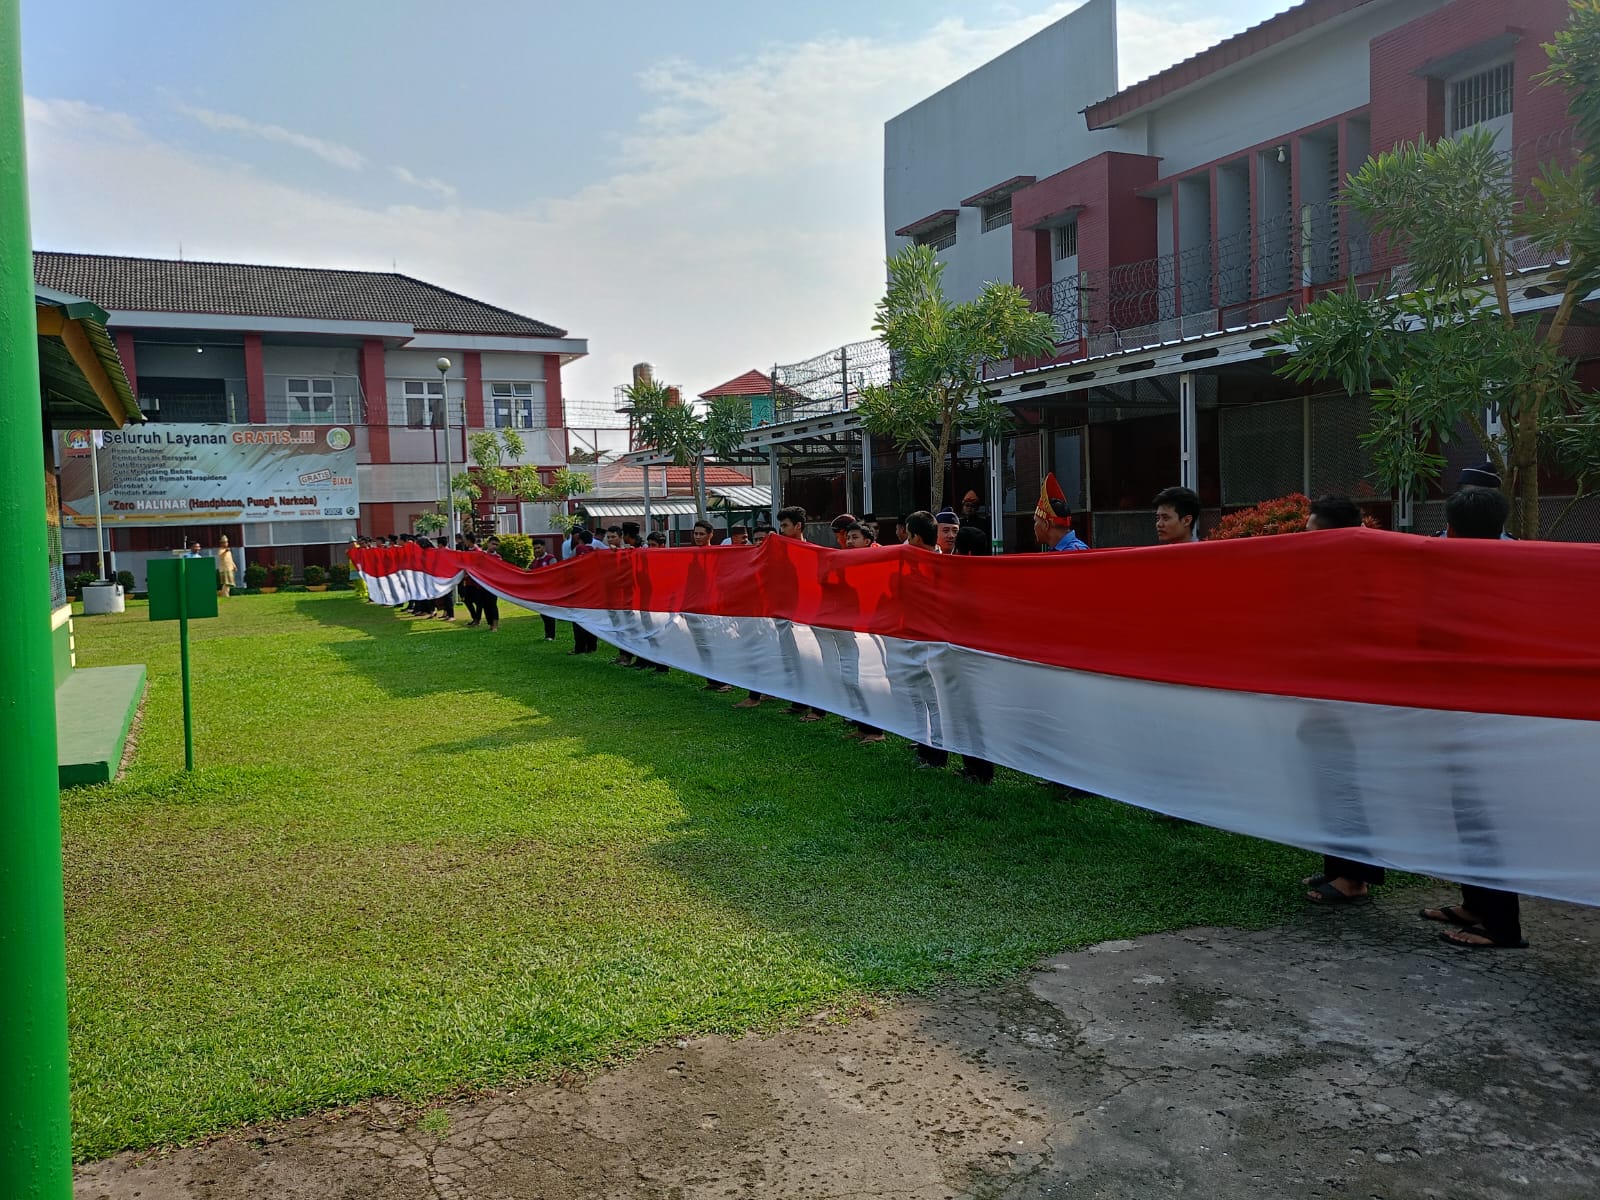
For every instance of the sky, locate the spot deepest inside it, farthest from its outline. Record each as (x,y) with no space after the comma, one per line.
(697,185)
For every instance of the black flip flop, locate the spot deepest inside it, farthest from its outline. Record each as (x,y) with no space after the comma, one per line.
(1452,916)
(1491,944)
(1332,895)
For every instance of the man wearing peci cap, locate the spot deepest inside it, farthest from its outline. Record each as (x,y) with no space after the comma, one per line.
(1052,519)
(948,524)
(839,526)
(1482,476)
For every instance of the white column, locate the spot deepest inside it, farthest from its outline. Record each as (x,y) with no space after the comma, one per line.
(772,470)
(866,473)
(997,532)
(646,472)
(1188,434)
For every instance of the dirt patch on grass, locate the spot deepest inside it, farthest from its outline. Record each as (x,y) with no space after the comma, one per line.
(1332,1057)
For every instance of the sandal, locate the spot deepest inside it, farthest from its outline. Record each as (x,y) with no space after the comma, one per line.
(1312,881)
(1453,936)
(1449,914)
(1326,893)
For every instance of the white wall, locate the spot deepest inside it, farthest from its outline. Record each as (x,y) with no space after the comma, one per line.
(1015,115)
(1269,96)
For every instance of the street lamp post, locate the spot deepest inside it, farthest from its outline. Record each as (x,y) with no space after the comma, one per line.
(449,492)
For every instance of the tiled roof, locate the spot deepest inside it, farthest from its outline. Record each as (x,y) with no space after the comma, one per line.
(305,293)
(716,476)
(1300,19)
(751,383)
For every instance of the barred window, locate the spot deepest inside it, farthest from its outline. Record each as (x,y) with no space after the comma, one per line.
(997,215)
(1480,98)
(940,237)
(1065,241)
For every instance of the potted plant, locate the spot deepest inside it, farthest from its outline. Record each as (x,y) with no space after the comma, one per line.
(255,577)
(80,581)
(316,578)
(339,577)
(279,574)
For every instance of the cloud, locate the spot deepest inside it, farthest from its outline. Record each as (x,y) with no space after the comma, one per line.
(426,182)
(329,152)
(740,226)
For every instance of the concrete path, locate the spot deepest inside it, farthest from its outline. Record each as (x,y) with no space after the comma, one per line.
(1348,1054)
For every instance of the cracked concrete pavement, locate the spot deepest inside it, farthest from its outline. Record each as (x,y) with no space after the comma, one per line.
(1348,1053)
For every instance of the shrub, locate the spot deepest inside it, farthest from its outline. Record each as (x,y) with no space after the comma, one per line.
(125,578)
(1286,514)
(254,575)
(280,574)
(315,575)
(517,549)
(339,575)
(81,580)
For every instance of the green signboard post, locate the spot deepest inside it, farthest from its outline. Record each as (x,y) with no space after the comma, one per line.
(181,590)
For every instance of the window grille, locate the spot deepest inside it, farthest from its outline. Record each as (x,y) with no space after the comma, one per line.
(940,237)
(997,215)
(1480,98)
(1066,240)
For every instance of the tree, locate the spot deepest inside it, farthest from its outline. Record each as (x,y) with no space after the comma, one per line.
(673,428)
(490,450)
(1448,348)
(939,352)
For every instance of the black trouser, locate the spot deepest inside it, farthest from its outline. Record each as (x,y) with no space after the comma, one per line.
(469,597)
(583,642)
(1499,912)
(933,757)
(1334,867)
(489,603)
(980,770)
(1331,757)
(549,627)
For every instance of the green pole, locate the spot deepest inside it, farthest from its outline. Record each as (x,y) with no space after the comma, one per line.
(35,1130)
(183,661)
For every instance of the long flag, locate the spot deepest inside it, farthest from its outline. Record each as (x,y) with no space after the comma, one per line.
(1426,704)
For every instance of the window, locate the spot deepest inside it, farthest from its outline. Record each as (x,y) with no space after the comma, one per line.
(424,402)
(940,237)
(514,406)
(997,215)
(1480,98)
(310,401)
(1064,241)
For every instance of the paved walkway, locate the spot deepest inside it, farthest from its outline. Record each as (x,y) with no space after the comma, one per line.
(1348,1054)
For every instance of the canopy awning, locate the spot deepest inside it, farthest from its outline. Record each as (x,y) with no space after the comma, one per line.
(80,373)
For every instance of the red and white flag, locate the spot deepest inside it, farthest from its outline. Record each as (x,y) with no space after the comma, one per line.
(1421,703)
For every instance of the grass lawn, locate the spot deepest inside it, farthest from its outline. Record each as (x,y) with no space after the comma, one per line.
(415,858)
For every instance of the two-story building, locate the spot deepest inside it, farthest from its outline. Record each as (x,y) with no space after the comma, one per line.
(1167,226)
(237,344)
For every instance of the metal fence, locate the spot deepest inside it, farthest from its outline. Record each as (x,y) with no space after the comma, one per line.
(829,382)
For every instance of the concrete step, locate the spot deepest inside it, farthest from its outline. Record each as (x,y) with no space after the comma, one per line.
(94,710)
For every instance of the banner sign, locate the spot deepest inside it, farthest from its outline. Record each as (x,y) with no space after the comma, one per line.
(211,474)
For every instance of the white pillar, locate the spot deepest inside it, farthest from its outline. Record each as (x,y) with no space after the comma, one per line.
(1188,434)
(772,470)
(997,532)
(646,472)
(866,473)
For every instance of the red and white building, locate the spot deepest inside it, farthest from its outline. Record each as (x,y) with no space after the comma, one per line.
(1167,226)
(233,343)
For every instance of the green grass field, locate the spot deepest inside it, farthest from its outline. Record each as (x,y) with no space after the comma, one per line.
(416,858)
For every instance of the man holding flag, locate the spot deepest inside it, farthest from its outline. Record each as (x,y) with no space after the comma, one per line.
(1052,519)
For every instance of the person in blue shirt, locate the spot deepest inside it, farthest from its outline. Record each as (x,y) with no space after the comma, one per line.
(1052,519)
